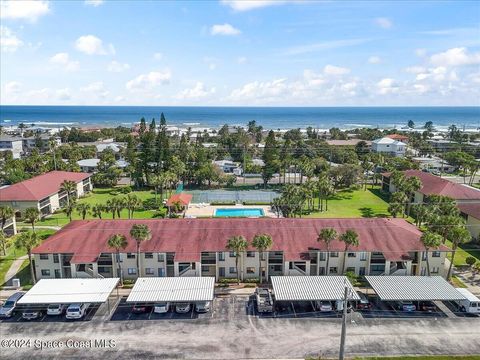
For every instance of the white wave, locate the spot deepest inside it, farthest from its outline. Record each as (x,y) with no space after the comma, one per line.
(53,123)
(7,120)
(191,123)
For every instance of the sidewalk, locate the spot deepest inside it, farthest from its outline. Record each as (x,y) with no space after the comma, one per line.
(14,268)
(472,281)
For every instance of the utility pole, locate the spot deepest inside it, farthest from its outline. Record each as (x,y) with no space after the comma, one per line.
(341,356)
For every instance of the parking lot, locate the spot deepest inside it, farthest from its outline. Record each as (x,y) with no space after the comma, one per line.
(91,312)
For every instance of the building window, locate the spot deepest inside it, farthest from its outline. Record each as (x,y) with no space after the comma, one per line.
(232,270)
(45,272)
(231,254)
(161,257)
(221,271)
(363,256)
(435,270)
(333,270)
(436,253)
(221,256)
(351,255)
(333,253)
(250,253)
(55,258)
(43,256)
(250,270)
(350,269)
(148,255)
(424,255)
(321,270)
(205,268)
(161,272)
(361,271)
(130,256)
(102,269)
(132,271)
(149,271)
(323,256)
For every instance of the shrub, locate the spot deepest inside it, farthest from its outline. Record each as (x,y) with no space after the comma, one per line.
(228,281)
(128,282)
(160,213)
(125,189)
(250,285)
(470,260)
(222,203)
(251,281)
(151,204)
(263,203)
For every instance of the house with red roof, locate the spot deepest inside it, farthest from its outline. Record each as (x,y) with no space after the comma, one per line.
(43,191)
(197,247)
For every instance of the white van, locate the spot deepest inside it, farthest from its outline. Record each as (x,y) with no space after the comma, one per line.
(471,304)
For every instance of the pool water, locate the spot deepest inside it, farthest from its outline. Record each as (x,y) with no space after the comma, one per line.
(241,212)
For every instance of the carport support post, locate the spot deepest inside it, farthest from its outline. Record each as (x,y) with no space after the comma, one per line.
(344,325)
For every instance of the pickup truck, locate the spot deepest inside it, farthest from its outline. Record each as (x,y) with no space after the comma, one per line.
(264,300)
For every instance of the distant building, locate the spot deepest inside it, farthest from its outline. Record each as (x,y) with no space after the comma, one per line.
(402,138)
(349,142)
(40,141)
(389,146)
(434,164)
(43,192)
(13,144)
(229,167)
(91,165)
(10,227)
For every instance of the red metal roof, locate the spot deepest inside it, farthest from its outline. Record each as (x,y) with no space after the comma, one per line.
(472,209)
(182,198)
(432,184)
(39,187)
(189,237)
(397,137)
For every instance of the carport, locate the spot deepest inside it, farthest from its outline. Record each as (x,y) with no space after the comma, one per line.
(70,291)
(301,289)
(172,289)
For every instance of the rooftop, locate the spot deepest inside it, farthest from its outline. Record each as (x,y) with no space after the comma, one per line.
(350,142)
(39,187)
(389,141)
(182,198)
(472,209)
(187,238)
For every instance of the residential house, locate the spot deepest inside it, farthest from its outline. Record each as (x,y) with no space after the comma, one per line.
(229,167)
(402,138)
(197,247)
(91,165)
(43,191)
(389,146)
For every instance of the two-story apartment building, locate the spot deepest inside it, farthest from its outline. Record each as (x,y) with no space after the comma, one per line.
(389,146)
(43,191)
(197,247)
(12,144)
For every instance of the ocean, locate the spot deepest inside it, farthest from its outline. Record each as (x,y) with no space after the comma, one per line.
(268,117)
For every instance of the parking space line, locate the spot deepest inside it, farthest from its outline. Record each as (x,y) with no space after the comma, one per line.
(293,308)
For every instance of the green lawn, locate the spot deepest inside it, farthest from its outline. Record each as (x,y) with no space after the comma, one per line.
(355,203)
(463,252)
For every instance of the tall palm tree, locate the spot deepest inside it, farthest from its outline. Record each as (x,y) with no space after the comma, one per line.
(140,232)
(238,244)
(412,184)
(261,242)
(327,235)
(430,241)
(132,202)
(111,207)
(3,242)
(6,212)
(119,205)
(97,210)
(350,238)
(457,235)
(68,209)
(28,240)
(69,187)
(117,242)
(31,215)
(83,209)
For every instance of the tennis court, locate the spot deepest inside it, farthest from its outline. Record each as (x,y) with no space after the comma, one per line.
(237,196)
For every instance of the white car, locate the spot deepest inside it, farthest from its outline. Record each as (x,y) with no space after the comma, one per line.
(324,306)
(161,308)
(182,308)
(76,311)
(55,309)
(202,306)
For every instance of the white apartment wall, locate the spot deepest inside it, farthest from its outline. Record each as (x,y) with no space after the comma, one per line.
(473,225)
(54,202)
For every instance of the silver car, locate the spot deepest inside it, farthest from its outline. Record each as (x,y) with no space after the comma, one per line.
(55,309)
(31,314)
(202,306)
(8,307)
(182,308)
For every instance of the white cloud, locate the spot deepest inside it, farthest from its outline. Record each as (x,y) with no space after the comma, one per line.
(63,94)
(384,22)
(158,56)
(326,45)
(415,69)
(242,60)
(12,88)
(9,42)
(421,52)
(224,29)
(94,3)
(264,91)
(92,45)
(149,81)
(455,57)
(25,9)
(198,91)
(63,59)
(115,66)
(246,5)
(387,86)
(335,70)
(374,60)
(96,88)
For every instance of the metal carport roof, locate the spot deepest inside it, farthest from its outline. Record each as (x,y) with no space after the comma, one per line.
(311,288)
(70,291)
(175,289)
(414,288)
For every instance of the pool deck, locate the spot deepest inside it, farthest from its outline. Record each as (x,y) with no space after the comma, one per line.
(207,210)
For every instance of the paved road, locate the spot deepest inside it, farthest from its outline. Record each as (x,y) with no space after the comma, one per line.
(230,333)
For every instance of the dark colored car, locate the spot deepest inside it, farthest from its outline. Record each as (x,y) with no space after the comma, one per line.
(427,306)
(141,308)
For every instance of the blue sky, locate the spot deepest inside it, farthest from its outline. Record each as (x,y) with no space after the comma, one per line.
(270,53)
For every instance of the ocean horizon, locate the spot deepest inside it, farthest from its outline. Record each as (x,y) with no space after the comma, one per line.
(464,117)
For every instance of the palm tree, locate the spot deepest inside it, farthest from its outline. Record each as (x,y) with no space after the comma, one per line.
(327,235)
(111,207)
(397,203)
(132,202)
(3,241)
(69,187)
(119,205)
(117,242)
(457,235)
(83,209)
(237,244)
(140,232)
(31,216)
(6,212)
(430,241)
(97,210)
(28,240)
(68,209)
(421,213)
(261,242)
(350,238)
(412,184)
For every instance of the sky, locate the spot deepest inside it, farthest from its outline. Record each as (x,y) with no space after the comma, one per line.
(240,53)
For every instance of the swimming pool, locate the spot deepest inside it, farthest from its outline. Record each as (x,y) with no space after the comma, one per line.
(240,212)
